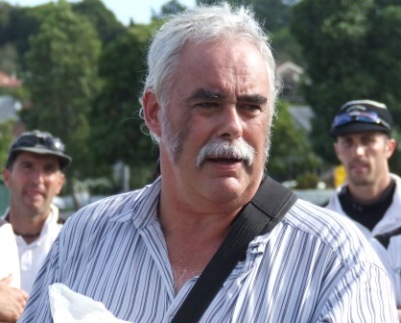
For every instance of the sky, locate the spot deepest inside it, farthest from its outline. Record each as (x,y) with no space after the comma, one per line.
(139,10)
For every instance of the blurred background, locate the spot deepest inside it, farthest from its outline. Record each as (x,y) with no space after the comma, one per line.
(76,69)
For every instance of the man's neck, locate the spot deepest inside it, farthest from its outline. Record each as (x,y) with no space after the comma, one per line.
(369,194)
(192,237)
(368,214)
(28,227)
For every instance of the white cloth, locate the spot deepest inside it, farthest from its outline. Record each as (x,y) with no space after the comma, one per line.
(315,266)
(31,256)
(390,221)
(9,262)
(68,306)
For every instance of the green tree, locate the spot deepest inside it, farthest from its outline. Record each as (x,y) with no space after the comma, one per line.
(169,8)
(291,153)
(6,137)
(275,14)
(8,59)
(102,18)
(117,131)
(208,2)
(63,80)
(285,46)
(22,23)
(351,52)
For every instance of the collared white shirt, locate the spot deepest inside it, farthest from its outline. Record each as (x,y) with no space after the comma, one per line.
(391,220)
(313,267)
(9,262)
(31,256)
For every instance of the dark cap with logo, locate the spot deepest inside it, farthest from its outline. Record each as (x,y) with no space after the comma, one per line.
(361,116)
(38,142)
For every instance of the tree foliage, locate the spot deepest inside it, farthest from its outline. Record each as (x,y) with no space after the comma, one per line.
(6,137)
(351,51)
(63,79)
(104,20)
(170,8)
(17,25)
(117,127)
(291,154)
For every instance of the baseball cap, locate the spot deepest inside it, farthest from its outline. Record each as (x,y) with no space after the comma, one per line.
(361,116)
(38,142)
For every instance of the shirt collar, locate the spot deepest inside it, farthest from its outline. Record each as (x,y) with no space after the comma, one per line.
(139,206)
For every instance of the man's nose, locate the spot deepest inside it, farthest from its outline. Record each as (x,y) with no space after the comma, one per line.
(359,149)
(231,123)
(38,175)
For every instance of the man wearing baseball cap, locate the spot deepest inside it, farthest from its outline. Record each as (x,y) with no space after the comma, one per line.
(371,195)
(34,175)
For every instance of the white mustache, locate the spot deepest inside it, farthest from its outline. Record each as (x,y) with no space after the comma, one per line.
(219,148)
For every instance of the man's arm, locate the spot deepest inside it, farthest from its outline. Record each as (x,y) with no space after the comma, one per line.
(364,294)
(12,301)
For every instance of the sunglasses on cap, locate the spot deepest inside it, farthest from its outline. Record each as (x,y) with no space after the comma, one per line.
(29,141)
(359,116)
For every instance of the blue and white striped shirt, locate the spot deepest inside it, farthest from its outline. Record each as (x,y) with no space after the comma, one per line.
(313,267)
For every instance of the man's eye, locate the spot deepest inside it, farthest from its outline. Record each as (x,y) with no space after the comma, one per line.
(368,141)
(207,105)
(251,108)
(26,166)
(50,169)
(346,143)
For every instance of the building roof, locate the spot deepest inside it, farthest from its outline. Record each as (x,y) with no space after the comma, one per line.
(9,108)
(8,80)
(303,116)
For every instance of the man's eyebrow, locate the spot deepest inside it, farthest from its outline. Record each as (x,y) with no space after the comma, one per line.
(255,99)
(212,95)
(206,94)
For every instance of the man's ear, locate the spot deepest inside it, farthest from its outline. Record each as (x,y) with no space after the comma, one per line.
(151,112)
(6,176)
(391,147)
(60,182)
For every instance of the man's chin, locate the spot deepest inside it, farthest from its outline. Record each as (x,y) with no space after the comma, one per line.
(360,181)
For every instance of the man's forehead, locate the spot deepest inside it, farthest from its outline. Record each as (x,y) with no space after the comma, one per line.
(363,134)
(32,157)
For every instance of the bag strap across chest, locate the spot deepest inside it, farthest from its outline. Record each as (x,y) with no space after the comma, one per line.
(267,208)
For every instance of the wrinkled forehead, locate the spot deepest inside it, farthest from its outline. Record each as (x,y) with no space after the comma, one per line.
(235,63)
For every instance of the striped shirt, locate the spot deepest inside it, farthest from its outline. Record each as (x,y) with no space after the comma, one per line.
(314,266)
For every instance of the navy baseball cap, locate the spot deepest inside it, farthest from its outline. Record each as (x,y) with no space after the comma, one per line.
(38,142)
(362,116)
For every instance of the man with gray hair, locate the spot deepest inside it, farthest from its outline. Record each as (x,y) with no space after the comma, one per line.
(209,102)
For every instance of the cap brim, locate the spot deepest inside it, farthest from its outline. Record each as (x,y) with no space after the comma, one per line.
(65,160)
(358,127)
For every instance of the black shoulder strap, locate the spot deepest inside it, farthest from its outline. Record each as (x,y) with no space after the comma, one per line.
(384,238)
(269,205)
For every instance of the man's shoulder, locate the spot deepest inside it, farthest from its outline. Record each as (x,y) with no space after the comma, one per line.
(116,207)
(6,229)
(333,230)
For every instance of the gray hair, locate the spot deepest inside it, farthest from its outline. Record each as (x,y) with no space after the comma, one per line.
(203,24)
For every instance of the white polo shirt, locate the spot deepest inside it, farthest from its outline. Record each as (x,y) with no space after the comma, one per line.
(31,256)
(9,264)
